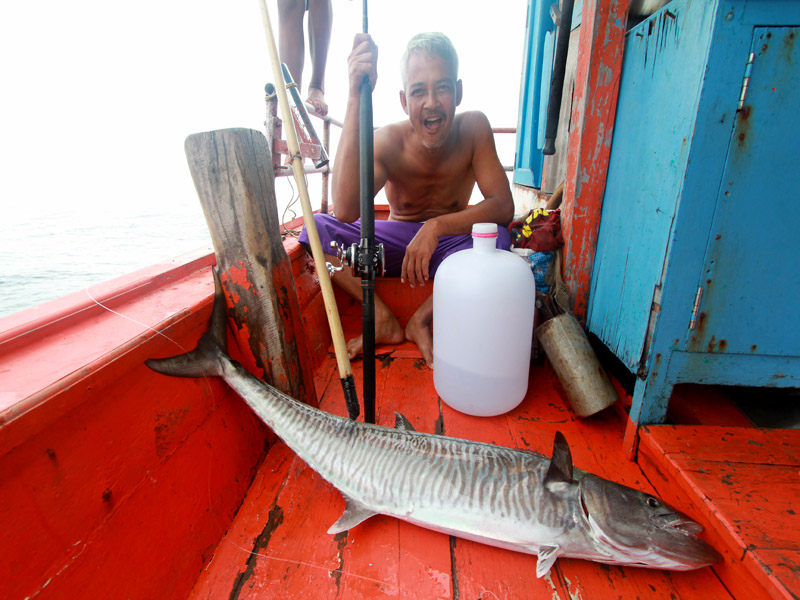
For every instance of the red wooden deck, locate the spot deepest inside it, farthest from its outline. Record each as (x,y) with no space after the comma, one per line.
(277,546)
(745,482)
(115,481)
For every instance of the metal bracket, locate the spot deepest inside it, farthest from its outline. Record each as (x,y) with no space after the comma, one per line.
(748,69)
(696,307)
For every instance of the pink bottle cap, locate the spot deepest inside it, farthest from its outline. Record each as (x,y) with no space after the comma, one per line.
(484,230)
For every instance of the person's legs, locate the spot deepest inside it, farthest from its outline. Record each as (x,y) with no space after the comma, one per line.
(387,329)
(291,42)
(418,330)
(395,236)
(320,23)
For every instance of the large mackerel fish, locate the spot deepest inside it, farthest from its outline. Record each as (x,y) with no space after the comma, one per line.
(498,496)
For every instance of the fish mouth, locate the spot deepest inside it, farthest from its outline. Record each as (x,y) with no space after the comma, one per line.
(672,521)
(688,552)
(686,526)
(678,542)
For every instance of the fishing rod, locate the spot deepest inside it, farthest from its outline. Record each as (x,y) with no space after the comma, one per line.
(370,258)
(366,259)
(301,110)
(334,322)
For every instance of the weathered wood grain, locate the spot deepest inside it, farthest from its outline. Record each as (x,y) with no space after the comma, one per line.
(232,172)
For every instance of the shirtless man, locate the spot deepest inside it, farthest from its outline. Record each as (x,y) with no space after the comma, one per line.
(428,165)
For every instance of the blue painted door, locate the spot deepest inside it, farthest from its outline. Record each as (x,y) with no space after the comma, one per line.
(750,281)
(653,133)
(537,64)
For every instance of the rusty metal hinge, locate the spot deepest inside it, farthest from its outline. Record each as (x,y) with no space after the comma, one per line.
(696,307)
(746,80)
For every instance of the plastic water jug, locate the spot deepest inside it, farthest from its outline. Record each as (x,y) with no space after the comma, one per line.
(483,305)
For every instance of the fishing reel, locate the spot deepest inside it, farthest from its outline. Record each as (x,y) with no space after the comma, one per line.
(357,258)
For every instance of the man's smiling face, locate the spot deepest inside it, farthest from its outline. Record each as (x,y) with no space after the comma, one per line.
(430,98)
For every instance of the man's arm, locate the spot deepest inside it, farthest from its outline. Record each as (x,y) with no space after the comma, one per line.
(346,177)
(496,207)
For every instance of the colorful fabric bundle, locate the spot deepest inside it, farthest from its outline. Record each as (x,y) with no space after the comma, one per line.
(539,230)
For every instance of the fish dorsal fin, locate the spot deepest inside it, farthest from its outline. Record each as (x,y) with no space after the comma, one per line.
(354,513)
(401,423)
(547,558)
(560,469)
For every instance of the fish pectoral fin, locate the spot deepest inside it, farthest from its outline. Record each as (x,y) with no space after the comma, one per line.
(401,423)
(354,513)
(546,559)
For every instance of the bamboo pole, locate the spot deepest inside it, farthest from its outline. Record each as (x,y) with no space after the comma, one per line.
(334,322)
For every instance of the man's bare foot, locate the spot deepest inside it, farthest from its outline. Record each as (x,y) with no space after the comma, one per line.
(419,332)
(387,331)
(316,98)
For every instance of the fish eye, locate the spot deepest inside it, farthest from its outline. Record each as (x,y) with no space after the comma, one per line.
(653,502)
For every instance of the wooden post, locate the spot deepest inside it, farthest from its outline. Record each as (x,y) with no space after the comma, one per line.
(232,171)
(602,36)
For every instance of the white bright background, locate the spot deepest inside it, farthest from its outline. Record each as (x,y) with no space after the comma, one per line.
(98,96)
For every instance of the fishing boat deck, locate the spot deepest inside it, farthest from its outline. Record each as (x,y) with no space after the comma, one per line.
(277,545)
(742,483)
(158,466)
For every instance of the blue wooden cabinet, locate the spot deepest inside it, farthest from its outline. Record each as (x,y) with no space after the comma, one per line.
(696,275)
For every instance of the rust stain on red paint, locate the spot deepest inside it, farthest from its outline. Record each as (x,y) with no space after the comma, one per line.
(596,90)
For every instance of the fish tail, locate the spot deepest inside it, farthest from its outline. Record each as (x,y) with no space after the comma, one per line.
(211,354)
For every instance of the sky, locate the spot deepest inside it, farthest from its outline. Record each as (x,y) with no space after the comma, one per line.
(100,95)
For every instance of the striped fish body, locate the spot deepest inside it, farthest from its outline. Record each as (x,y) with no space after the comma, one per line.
(477,491)
(499,496)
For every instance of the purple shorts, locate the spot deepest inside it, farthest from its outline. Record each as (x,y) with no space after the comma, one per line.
(395,236)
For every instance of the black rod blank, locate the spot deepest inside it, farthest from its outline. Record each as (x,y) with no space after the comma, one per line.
(367,250)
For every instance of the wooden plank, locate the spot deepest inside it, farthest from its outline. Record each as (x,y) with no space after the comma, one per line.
(756,503)
(167,525)
(300,559)
(235,556)
(235,183)
(51,348)
(602,34)
(729,444)
(742,486)
(653,131)
(782,569)
(102,448)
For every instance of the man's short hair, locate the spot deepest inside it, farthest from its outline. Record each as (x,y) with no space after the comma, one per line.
(430,43)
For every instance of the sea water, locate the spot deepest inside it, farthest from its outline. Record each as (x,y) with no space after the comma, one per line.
(46,256)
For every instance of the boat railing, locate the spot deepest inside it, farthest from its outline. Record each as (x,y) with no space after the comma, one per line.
(311,150)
